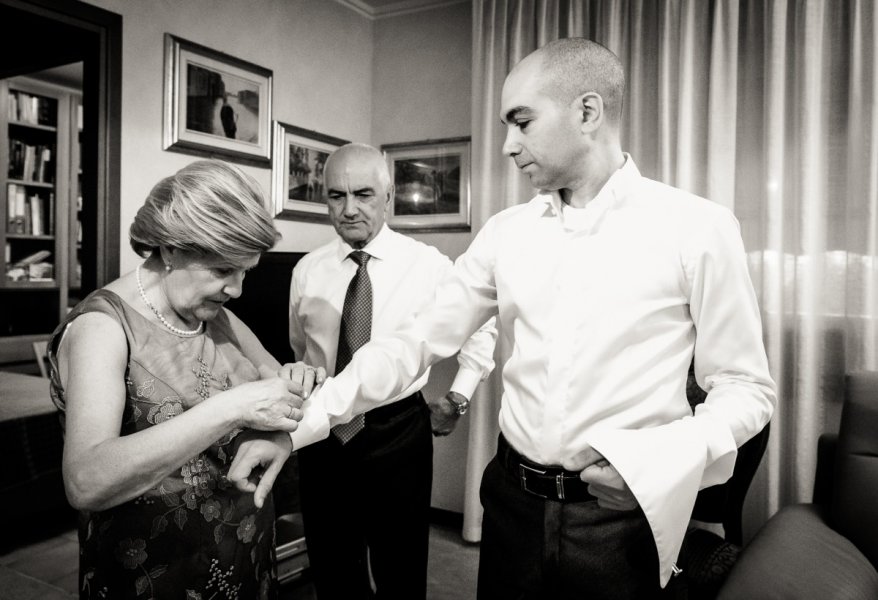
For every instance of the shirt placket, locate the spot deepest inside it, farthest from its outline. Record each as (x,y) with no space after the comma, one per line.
(560,355)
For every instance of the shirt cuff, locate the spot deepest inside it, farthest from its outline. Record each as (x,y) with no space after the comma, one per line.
(314,425)
(663,466)
(465,382)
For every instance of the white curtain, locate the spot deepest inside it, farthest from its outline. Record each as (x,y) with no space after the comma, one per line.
(769,107)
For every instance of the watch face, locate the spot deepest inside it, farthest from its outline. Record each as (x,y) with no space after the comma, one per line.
(459,407)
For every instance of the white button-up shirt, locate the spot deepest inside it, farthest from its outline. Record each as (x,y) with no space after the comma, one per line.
(598,314)
(404,273)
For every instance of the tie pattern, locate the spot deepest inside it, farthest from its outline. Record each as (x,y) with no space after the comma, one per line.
(356,329)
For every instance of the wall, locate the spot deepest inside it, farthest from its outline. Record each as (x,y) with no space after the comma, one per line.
(320,53)
(395,79)
(421,89)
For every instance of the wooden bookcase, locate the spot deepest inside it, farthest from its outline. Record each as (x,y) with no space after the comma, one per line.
(74,277)
(39,167)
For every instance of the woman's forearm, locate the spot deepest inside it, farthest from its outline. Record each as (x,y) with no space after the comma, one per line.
(119,469)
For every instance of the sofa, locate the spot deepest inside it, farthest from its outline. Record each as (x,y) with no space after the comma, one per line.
(826,549)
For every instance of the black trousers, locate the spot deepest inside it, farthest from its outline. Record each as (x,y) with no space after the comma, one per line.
(366,505)
(538,549)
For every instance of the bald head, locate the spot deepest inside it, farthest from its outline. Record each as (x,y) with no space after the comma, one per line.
(570,67)
(363,155)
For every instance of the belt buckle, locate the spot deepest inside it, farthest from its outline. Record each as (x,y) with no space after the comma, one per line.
(559,487)
(522,470)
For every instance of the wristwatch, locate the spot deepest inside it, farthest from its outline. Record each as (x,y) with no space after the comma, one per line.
(459,407)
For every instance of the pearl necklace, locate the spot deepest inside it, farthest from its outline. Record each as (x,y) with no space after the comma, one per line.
(161,317)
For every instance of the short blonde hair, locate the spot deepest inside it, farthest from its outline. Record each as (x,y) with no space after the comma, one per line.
(208,207)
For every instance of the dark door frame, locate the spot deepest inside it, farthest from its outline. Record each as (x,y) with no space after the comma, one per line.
(102,93)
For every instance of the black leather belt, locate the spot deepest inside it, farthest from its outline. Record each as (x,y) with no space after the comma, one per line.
(549,482)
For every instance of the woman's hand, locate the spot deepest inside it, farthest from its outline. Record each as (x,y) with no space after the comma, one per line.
(268,404)
(304,376)
(258,459)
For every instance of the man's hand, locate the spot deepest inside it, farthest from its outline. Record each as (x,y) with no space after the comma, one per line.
(303,375)
(258,459)
(604,481)
(443,413)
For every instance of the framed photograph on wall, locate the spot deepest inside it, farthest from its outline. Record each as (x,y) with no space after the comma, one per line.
(432,184)
(215,104)
(297,172)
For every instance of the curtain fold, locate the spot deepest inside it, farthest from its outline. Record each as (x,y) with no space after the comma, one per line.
(768,107)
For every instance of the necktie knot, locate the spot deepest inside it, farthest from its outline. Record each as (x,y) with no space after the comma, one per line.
(360,257)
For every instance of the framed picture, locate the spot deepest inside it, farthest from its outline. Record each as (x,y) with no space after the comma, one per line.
(432,184)
(297,172)
(215,104)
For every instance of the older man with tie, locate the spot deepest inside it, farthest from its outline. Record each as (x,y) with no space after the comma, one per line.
(365,490)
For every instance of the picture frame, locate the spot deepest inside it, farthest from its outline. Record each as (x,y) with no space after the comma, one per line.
(297,172)
(216,105)
(432,184)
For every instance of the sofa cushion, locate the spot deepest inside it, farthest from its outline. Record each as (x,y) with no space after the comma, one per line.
(854,510)
(797,556)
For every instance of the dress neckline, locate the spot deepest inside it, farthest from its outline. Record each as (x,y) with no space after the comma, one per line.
(128,308)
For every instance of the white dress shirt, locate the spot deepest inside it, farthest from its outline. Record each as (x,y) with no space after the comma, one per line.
(599,309)
(404,274)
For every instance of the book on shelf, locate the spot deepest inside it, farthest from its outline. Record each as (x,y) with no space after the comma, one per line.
(51,230)
(27,167)
(36,215)
(31,162)
(20,212)
(15,209)
(33,268)
(41,271)
(16,158)
(10,208)
(31,259)
(28,108)
(41,172)
(29,214)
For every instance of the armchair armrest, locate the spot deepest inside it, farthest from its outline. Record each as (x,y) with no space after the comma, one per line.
(797,555)
(823,477)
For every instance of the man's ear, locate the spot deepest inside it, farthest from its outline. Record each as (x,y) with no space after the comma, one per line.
(592,106)
(391,190)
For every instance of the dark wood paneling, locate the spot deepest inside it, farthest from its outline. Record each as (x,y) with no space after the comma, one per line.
(264,304)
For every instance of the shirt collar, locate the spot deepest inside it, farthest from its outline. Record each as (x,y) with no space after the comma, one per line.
(378,248)
(616,187)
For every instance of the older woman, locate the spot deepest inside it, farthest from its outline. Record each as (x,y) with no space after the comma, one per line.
(154,379)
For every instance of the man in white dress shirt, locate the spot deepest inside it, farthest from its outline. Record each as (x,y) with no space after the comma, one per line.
(601,283)
(370,491)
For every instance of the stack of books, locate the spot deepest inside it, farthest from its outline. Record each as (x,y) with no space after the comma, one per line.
(33,267)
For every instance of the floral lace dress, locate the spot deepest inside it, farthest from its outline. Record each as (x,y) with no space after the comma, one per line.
(194,536)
